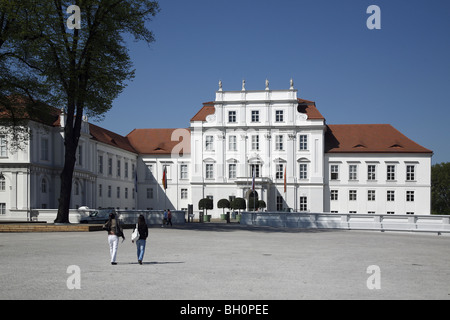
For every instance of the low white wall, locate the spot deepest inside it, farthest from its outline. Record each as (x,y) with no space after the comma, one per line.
(382,222)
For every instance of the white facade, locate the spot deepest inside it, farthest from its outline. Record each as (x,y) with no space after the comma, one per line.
(272,133)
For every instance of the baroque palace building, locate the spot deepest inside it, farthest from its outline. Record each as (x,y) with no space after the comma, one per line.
(271,138)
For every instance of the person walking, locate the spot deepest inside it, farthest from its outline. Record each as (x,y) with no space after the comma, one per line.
(164,218)
(169,217)
(143,234)
(112,226)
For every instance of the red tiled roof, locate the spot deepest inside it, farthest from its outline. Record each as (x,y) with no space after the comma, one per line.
(108,137)
(157,141)
(369,138)
(208,108)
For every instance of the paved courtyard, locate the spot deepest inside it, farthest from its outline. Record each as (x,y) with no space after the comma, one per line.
(219,261)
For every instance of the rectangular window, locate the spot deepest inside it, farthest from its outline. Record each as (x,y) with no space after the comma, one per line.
(100,164)
(352,195)
(255,115)
(279,142)
(126,193)
(126,169)
(184,194)
(209,174)
(149,172)
(279,174)
(279,203)
(232,171)
(44,149)
(390,195)
(149,193)
(209,143)
(370,195)
(119,167)
(303,171)
(118,192)
(371,174)
(303,142)
(303,204)
(390,173)
(232,116)
(279,116)
(110,166)
(184,171)
(3,146)
(100,190)
(109,191)
(256,168)
(334,195)
(410,173)
(353,172)
(410,196)
(2,208)
(255,142)
(232,143)
(80,155)
(334,172)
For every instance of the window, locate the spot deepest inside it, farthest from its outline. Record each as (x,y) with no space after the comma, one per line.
(352,195)
(44,186)
(303,171)
(410,196)
(279,171)
(232,171)
(119,167)
(370,195)
(334,195)
(149,193)
(255,115)
(110,166)
(2,208)
(183,171)
(232,143)
(2,183)
(255,142)
(209,171)
(279,203)
(303,142)
(100,164)
(303,203)
(100,190)
(44,149)
(390,212)
(410,173)
(279,116)
(334,172)
(390,195)
(149,172)
(231,116)
(109,191)
(255,168)
(209,143)
(390,172)
(353,172)
(80,155)
(77,188)
(371,176)
(3,146)
(184,194)
(279,142)
(118,192)
(126,169)
(409,212)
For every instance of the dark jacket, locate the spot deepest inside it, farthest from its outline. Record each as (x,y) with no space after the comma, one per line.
(113,227)
(143,231)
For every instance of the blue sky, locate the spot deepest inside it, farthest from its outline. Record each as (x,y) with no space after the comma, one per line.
(399,74)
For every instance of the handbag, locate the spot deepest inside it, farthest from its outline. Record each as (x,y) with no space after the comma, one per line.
(135,234)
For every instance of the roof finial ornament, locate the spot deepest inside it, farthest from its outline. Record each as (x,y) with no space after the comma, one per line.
(267,84)
(243,85)
(220,85)
(291,82)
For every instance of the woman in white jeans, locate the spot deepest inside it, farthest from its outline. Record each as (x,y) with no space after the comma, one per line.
(114,232)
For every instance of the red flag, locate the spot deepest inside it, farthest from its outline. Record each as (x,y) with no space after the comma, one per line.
(164,179)
(284,179)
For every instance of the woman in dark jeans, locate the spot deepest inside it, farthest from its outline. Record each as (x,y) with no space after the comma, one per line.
(143,234)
